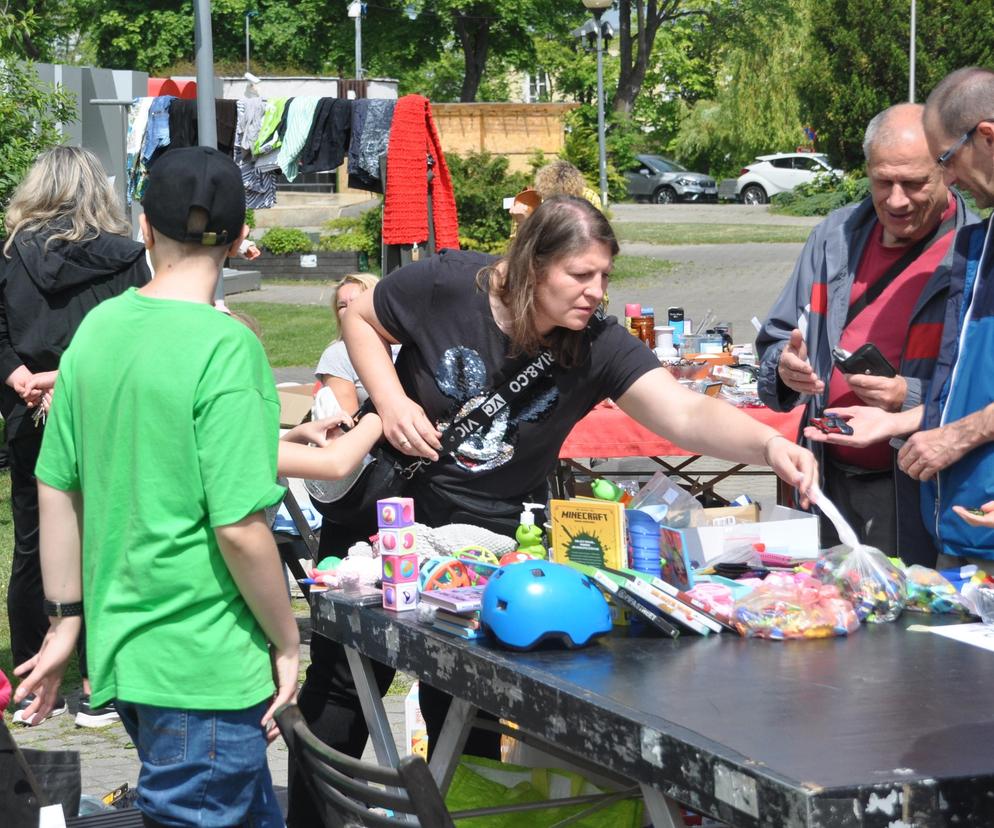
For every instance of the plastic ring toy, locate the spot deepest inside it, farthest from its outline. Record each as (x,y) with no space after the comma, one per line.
(478,553)
(444,573)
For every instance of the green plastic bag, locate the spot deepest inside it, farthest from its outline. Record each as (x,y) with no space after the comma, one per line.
(481,783)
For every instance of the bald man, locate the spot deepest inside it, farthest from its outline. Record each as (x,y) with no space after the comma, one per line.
(875,272)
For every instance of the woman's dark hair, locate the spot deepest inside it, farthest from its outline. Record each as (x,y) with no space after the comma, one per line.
(560,227)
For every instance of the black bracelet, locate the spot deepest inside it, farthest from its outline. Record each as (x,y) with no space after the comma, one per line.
(57,609)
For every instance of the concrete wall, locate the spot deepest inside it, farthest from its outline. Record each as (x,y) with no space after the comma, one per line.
(291,87)
(100,128)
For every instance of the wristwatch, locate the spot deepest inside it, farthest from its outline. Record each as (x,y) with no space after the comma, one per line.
(57,609)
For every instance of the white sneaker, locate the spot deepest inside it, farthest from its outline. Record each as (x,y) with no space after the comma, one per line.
(58,710)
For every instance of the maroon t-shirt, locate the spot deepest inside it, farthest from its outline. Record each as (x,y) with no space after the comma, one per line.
(884,322)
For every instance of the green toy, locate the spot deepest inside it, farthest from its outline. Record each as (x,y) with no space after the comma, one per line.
(528,535)
(329,563)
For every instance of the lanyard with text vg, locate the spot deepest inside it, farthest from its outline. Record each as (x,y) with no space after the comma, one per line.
(481,417)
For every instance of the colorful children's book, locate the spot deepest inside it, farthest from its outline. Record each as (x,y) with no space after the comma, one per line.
(456,630)
(470,620)
(588,531)
(668,602)
(674,558)
(460,599)
(610,585)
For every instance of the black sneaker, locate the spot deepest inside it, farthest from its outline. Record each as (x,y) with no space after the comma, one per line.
(88,716)
(58,710)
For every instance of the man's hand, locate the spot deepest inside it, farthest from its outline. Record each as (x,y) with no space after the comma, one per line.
(794,368)
(869,425)
(43,673)
(984,520)
(793,464)
(887,393)
(286,668)
(37,387)
(927,453)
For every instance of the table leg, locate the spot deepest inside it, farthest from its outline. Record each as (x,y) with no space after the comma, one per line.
(445,755)
(663,811)
(372,708)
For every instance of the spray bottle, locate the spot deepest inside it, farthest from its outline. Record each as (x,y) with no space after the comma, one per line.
(528,535)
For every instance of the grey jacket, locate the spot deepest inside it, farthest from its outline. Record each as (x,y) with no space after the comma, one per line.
(825,271)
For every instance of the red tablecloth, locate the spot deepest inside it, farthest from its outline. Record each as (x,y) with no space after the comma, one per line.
(607,431)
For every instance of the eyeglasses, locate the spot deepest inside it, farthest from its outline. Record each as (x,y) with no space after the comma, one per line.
(947,156)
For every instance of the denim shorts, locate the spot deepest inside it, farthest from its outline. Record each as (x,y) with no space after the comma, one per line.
(201,767)
(157,130)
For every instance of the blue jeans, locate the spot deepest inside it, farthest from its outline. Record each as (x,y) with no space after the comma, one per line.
(202,768)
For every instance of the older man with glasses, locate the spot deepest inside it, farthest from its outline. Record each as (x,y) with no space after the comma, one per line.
(874,272)
(951,447)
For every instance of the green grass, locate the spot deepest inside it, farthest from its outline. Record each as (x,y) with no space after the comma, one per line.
(709,233)
(639,267)
(291,334)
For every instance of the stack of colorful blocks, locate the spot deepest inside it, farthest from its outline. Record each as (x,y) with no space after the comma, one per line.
(398,553)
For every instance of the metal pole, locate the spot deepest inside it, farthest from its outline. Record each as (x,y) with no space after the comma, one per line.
(911,57)
(247,67)
(206,120)
(358,44)
(600,110)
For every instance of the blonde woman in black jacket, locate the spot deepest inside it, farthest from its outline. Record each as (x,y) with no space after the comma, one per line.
(66,250)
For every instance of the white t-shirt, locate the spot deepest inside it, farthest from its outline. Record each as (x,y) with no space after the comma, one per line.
(335,362)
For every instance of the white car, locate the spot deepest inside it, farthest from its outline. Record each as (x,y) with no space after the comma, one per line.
(772,174)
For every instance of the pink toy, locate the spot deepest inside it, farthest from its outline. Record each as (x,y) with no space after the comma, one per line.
(398,569)
(400,597)
(397,541)
(394,512)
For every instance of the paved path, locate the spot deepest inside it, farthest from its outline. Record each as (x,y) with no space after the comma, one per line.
(109,759)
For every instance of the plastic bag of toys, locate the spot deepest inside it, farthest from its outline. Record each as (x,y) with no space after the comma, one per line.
(794,606)
(867,578)
(929,592)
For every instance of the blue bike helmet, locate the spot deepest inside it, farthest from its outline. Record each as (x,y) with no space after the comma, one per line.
(527,603)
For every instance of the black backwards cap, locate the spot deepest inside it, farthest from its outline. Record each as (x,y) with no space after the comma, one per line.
(189,177)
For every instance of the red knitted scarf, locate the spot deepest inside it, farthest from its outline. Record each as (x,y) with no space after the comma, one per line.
(413,137)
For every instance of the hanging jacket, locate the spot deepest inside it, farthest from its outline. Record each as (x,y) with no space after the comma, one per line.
(819,290)
(963,383)
(44,295)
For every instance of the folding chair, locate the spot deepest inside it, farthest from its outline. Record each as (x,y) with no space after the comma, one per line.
(346,789)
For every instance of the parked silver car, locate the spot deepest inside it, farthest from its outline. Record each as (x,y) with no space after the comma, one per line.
(663,181)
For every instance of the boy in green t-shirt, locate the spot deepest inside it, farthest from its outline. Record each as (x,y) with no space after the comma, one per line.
(164,424)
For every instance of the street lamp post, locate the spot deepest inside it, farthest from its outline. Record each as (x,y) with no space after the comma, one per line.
(355,11)
(597,8)
(911,55)
(248,16)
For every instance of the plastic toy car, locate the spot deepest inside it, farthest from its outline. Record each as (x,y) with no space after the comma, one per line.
(831,424)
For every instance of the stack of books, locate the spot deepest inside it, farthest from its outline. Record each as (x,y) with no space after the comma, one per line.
(457,610)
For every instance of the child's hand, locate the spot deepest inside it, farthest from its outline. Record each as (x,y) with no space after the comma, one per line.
(318,432)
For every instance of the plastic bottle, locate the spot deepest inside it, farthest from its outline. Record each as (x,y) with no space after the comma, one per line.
(528,535)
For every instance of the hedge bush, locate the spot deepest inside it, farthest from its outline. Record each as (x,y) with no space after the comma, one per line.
(281,240)
(822,195)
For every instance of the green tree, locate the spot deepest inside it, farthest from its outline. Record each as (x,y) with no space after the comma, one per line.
(857,60)
(31,112)
(755,107)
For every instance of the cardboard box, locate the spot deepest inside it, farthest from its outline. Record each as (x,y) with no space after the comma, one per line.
(780,528)
(295,404)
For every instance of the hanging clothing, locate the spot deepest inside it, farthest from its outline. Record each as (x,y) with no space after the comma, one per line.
(260,186)
(137,126)
(413,138)
(183,130)
(371,121)
(299,121)
(328,140)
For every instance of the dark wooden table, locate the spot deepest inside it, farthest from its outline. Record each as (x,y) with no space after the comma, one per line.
(885,728)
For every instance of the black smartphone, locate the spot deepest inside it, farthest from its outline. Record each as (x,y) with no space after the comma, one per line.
(866,359)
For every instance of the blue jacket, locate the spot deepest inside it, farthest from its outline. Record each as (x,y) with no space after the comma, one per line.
(963,382)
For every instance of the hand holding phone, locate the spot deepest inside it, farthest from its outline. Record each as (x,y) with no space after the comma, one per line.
(866,359)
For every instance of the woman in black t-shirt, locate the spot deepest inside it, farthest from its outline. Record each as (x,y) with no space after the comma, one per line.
(467,323)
